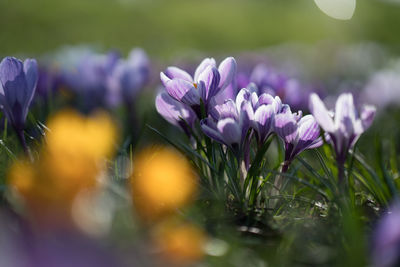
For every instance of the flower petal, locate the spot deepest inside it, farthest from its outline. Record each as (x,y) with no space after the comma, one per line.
(367,116)
(230,131)
(321,114)
(183,91)
(12,78)
(286,127)
(227,70)
(345,114)
(209,127)
(308,128)
(210,77)
(177,73)
(173,111)
(203,65)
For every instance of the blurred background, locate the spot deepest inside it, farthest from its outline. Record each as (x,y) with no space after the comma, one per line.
(168,28)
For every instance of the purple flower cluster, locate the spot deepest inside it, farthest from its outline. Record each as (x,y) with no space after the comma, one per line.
(107,80)
(251,112)
(275,83)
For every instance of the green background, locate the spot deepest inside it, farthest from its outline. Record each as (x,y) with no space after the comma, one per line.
(165,28)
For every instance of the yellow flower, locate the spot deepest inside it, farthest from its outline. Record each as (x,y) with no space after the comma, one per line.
(71,161)
(162,181)
(180,243)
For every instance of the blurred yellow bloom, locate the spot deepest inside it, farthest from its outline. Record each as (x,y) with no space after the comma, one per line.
(162,181)
(70,162)
(180,243)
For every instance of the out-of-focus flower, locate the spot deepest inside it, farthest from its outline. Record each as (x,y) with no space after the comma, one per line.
(386,239)
(345,126)
(229,123)
(162,181)
(270,81)
(18,82)
(298,133)
(89,78)
(388,82)
(70,162)
(180,243)
(207,82)
(128,77)
(106,79)
(175,112)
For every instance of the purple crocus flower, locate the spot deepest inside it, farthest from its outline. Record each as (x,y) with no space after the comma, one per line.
(386,239)
(89,77)
(18,82)
(264,108)
(298,133)
(128,77)
(207,82)
(270,81)
(229,124)
(343,127)
(175,112)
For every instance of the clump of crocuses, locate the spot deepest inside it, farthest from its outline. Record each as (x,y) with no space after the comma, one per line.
(106,80)
(18,82)
(251,112)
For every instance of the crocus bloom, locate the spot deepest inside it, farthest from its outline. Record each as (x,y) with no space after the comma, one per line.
(386,239)
(229,123)
(264,108)
(128,77)
(17,87)
(175,112)
(298,133)
(207,82)
(270,81)
(89,78)
(345,126)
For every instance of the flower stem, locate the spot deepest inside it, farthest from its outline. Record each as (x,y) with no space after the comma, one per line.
(21,138)
(278,181)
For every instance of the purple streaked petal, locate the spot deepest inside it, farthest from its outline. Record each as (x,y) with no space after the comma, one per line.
(243,96)
(173,111)
(264,121)
(266,99)
(321,114)
(286,127)
(177,73)
(183,91)
(210,77)
(164,78)
(209,127)
(230,131)
(308,128)
(227,70)
(345,114)
(246,116)
(367,116)
(32,76)
(203,65)
(226,110)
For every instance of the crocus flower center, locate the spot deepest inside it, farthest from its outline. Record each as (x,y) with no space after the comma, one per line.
(195,85)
